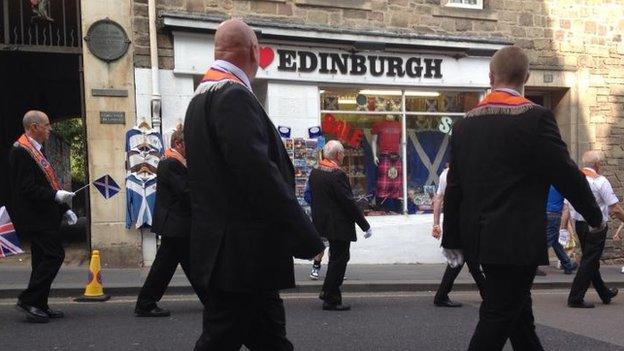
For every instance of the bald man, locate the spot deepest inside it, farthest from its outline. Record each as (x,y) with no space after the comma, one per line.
(37,207)
(246,222)
(504,156)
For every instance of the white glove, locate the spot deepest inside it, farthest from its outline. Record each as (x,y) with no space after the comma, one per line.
(593,230)
(368,233)
(454,257)
(71,217)
(63,196)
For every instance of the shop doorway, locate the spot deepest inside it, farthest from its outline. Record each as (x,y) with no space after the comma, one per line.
(40,66)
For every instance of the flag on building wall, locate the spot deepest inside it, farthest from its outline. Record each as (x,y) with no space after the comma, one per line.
(107,186)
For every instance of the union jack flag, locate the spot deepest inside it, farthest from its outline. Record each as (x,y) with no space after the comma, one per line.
(9,243)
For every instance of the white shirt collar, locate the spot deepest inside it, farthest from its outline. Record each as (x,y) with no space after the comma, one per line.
(226,66)
(35,143)
(509,90)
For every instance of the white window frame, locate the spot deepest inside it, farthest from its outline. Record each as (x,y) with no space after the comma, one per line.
(477,6)
(403,114)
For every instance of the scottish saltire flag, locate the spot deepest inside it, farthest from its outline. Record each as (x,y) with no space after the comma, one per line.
(107,186)
(9,243)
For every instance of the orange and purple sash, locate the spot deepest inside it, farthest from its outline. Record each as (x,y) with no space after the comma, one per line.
(40,160)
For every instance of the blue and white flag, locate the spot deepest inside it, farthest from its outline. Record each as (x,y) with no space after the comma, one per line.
(107,186)
(9,243)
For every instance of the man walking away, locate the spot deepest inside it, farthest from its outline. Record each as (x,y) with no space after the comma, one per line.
(172,220)
(592,243)
(554,210)
(334,214)
(441,298)
(37,207)
(504,156)
(246,220)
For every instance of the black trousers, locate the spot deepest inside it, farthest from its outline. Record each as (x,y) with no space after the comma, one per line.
(450,274)
(47,258)
(338,259)
(588,272)
(506,312)
(256,320)
(171,252)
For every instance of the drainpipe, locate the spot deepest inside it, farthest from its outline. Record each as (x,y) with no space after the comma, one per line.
(149,239)
(156,100)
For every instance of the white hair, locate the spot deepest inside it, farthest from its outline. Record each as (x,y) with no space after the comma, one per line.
(332,148)
(592,157)
(32,117)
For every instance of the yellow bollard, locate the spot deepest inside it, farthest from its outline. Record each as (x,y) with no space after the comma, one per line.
(94,291)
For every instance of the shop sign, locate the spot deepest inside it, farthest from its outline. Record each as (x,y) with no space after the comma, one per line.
(353,64)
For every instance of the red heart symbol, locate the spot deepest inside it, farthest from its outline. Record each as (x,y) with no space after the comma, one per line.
(266,57)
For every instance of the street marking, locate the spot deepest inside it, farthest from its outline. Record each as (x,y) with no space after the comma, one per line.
(284,296)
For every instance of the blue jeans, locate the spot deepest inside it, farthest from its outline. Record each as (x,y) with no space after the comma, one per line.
(552,239)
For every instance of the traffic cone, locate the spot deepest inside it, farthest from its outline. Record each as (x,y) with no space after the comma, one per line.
(94,292)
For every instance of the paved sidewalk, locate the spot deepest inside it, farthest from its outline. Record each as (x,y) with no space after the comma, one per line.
(360,278)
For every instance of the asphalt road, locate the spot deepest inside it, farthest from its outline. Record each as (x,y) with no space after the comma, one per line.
(377,322)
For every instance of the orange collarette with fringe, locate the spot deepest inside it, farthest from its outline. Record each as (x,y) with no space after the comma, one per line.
(214,75)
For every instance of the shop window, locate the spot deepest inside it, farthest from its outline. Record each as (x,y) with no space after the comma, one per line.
(467,4)
(370,123)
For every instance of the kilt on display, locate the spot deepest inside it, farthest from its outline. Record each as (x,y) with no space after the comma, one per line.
(389,178)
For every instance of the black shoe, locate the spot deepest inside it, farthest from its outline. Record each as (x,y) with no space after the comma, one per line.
(154,312)
(447,303)
(612,293)
(580,304)
(33,314)
(335,307)
(53,313)
(540,272)
(571,270)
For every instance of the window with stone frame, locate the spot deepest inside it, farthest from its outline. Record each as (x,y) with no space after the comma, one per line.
(466,4)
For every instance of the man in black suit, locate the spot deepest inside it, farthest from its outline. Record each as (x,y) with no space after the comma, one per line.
(37,207)
(246,221)
(172,220)
(504,156)
(334,214)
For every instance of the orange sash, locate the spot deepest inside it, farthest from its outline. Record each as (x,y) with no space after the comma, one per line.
(41,161)
(504,99)
(214,75)
(590,173)
(173,153)
(329,164)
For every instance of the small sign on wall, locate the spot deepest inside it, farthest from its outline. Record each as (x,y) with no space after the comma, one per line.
(112,117)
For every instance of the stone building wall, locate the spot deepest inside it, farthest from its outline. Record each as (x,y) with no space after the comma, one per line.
(580,36)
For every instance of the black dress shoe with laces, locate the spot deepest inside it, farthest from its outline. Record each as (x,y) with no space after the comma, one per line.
(335,307)
(612,293)
(580,304)
(154,312)
(53,313)
(447,303)
(33,314)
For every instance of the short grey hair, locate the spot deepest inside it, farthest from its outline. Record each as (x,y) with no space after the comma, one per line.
(592,157)
(32,117)
(332,149)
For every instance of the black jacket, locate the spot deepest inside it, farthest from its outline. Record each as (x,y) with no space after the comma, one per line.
(334,212)
(172,209)
(246,222)
(32,206)
(501,167)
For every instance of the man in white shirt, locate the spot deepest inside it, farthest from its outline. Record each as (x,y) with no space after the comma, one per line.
(593,239)
(441,298)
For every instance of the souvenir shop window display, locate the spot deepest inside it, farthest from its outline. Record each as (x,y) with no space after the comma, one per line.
(304,154)
(144,148)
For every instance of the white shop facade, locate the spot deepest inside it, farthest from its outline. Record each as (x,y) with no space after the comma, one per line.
(390,100)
